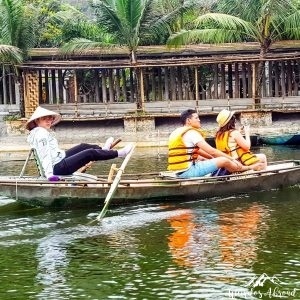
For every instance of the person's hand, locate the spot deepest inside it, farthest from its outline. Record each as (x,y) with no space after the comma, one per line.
(53,178)
(247,129)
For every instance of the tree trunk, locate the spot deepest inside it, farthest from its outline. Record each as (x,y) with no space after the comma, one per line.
(140,101)
(21,92)
(259,75)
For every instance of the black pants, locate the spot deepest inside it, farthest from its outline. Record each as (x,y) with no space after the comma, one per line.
(79,156)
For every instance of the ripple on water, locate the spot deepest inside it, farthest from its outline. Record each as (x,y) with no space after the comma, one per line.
(194,250)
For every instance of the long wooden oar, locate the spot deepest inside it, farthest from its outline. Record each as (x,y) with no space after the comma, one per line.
(115,184)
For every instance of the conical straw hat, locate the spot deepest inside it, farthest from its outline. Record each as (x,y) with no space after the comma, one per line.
(42,112)
(224,117)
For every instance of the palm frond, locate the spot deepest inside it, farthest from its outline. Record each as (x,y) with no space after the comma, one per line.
(10,54)
(82,46)
(11,14)
(209,36)
(291,26)
(228,22)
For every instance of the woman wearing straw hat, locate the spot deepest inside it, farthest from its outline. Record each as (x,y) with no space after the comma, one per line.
(232,142)
(191,156)
(59,162)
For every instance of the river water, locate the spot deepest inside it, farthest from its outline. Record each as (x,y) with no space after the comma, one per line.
(239,247)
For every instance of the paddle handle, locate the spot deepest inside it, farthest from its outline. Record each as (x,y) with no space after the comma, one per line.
(115,184)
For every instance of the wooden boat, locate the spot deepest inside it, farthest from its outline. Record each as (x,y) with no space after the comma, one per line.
(83,189)
(284,139)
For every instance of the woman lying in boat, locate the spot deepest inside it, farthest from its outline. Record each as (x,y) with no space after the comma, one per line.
(56,161)
(232,142)
(191,156)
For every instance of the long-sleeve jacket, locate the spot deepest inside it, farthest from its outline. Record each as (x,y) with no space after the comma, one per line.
(47,149)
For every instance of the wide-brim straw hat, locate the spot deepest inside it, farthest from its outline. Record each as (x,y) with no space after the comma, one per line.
(224,117)
(39,113)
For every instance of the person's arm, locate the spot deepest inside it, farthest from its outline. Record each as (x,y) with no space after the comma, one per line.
(204,154)
(243,142)
(196,139)
(211,150)
(43,151)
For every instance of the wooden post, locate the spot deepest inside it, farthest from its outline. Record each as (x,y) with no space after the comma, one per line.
(180,83)
(97,86)
(53,87)
(124,85)
(244,83)
(269,82)
(111,86)
(142,92)
(166,76)
(160,86)
(223,88)
(46,86)
(276,79)
(254,71)
(289,78)
(117,85)
(282,76)
(75,94)
(103,85)
(4,85)
(173,84)
(60,87)
(196,86)
(249,77)
(215,81)
(230,89)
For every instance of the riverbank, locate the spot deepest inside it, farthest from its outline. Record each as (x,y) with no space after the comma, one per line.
(13,145)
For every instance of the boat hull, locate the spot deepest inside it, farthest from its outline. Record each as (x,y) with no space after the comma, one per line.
(285,139)
(78,193)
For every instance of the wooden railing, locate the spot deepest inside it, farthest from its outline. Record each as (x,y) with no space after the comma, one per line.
(161,108)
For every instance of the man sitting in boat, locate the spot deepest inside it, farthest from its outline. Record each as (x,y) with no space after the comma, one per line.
(191,156)
(232,142)
(56,161)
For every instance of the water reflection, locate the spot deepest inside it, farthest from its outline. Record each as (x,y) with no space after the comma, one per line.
(52,252)
(198,250)
(239,234)
(179,241)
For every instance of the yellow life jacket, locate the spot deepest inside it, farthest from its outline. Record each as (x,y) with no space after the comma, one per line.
(247,158)
(180,156)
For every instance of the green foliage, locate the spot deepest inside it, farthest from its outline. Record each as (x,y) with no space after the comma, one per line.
(235,21)
(12,117)
(10,55)
(127,23)
(17,30)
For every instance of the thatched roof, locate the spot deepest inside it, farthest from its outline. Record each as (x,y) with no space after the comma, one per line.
(152,56)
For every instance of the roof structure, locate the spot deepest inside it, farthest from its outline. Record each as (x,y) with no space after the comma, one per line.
(151,56)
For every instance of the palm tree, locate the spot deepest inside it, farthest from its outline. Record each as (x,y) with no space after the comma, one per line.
(18,24)
(129,23)
(262,21)
(17,35)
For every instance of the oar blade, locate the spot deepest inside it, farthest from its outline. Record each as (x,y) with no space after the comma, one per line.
(115,184)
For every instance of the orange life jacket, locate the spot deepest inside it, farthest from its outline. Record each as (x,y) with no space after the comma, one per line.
(180,157)
(247,158)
